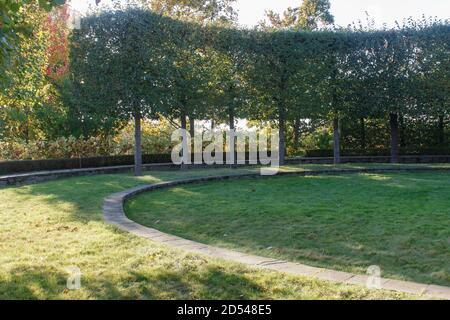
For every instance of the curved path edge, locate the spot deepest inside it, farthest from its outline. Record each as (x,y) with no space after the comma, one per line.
(114,214)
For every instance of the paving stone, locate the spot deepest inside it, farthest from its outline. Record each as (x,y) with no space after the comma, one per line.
(405,286)
(438,291)
(296,269)
(187,245)
(244,258)
(336,276)
(358,280)
(224,254)
(178,243)
(193,248)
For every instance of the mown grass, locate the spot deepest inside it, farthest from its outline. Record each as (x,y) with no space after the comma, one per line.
(400,222)
(47,227)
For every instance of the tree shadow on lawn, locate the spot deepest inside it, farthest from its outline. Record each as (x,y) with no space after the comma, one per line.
(40,282)
(86,194)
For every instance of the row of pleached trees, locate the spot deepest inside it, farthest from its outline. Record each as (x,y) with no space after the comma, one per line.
(137,64)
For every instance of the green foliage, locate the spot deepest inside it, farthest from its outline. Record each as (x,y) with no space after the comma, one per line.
(320,139)
(65,148)
(155,140)
(133,62)
(201,11)
(311,15)
(274,75)
(31,106)
(15,27)
(27,89)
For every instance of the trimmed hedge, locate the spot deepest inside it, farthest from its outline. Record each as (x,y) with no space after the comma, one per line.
(21,166)
(7,167)
(378,152)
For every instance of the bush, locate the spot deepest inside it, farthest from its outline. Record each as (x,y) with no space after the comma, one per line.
(61,148)
(8,167)
(156,139)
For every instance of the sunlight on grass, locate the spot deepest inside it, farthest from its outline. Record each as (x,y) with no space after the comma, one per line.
(48,227)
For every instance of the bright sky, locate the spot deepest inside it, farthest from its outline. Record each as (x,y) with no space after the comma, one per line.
(345,11)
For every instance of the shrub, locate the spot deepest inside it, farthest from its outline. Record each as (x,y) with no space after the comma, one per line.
(8,167)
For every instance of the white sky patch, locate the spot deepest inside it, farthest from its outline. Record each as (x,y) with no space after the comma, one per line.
(345,11)
(80,5)
(348,11)
(375,12)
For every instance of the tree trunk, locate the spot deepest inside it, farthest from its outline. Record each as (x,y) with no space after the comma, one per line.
(192,127)
(213,125)
(192,132)
(393,120)
(363,133)
(27,127)
(441,131)
(27,133)
(282,134)
(231,119)
(137,144)
(402,133)
(297,134)
(184,127)
(336,141)
(232,129)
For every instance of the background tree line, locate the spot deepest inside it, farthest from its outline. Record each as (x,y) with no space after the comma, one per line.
(358,87)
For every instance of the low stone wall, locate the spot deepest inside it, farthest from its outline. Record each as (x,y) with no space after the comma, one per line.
(25,166)
(40,176)
(375,159)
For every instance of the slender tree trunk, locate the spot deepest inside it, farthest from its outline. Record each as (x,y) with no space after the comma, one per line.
(363,133)
(336,133)
(27,127)
(393,120)
(184,127)
(282,114)
(297,134)
(402,133)
(213,125)
(282,134)
(192,132)
(27,133)
(192,126)
(231,118)
(232,125)
(336,141)
(441,131)
(137,144)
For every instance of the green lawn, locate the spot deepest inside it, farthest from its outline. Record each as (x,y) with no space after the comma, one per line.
(47,227)
(400,222)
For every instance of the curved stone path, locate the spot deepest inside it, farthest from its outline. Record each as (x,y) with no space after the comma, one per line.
(114,214)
